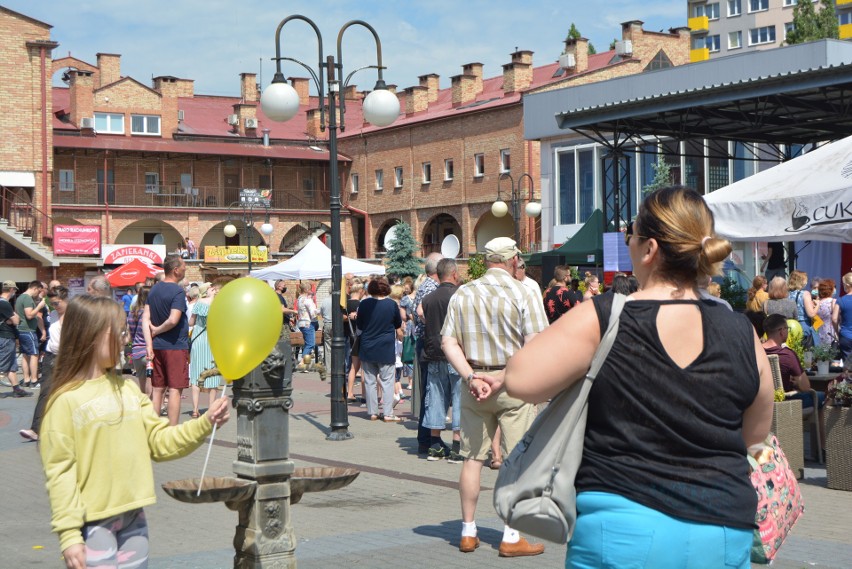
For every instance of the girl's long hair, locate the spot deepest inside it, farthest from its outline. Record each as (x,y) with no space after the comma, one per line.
(86,319)
(141,301)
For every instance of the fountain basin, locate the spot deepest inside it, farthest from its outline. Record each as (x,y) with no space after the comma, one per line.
(235,490)
(214,489)
(319,479)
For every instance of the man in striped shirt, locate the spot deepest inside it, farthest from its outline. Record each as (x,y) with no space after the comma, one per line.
(488,320)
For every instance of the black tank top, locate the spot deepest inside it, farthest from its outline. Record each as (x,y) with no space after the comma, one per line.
(671,438)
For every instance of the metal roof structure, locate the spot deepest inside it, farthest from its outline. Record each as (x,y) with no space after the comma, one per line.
(798,94)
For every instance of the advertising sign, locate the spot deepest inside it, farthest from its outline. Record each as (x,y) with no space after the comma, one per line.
(121,254)
(77,239)
(234,254)
(616,253)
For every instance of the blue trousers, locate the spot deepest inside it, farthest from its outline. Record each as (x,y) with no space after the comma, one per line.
(310,336)
(614,532)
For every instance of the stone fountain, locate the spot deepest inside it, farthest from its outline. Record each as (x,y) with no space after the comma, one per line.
(267,482)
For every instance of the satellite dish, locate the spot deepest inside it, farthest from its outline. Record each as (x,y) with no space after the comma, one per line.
(158,239)
(450,247)
(390,236)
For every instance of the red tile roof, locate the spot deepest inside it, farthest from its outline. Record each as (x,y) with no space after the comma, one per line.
(169,146)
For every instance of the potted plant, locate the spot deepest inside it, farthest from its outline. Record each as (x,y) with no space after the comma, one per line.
(838,436)
(823,354)
(840,393)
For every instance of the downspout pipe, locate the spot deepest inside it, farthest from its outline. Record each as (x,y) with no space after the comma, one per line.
(44,156)
(368,246)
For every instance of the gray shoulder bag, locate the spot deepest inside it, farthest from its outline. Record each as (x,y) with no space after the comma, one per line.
(535,491)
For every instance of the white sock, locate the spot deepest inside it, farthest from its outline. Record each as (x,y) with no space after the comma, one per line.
(468,529)
(510,535)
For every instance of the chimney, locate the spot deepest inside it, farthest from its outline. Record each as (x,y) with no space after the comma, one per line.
(391,88)
(169,88)
(248,87)
(246,111)
(464,89)
(351,93)
(632,30)
(313,124)
(580,49)
(416,99)
(109,66)
(82,95)
(474,69)
(302,86)
(433,84)
(522,56)
(518,74)
(186,87)
(402,97)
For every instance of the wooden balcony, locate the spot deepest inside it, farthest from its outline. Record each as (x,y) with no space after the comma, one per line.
(175,196)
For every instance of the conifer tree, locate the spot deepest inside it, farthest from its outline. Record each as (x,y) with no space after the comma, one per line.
(403,253)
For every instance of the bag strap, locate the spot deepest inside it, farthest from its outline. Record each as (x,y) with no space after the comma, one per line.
(601,354)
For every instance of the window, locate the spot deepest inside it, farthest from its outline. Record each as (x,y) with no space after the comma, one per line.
(448,170)
(66,180)
(659,61)
(789,2)
(712,42)
(380,179)
(576,185)
(505,161)
(734,8)
(152,182)
(397,177)
(709,10)
(735,40)
(478,165)
(427,172)
(355,183)
(145,124)
(758,5)
(844,18)
(788,27)
(109,123)
(765,34)
(308,187)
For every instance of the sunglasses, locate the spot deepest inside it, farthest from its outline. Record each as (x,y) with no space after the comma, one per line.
(628,233)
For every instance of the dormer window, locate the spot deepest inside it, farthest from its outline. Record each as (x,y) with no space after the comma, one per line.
(109,123)
(145,125)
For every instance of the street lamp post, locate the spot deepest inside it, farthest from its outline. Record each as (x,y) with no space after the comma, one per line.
(280,102)
(532,209)
(249,199)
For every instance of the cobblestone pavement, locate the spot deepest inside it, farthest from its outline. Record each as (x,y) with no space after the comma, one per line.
(401,512)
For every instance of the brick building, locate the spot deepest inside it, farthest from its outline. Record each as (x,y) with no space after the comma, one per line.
(152,164)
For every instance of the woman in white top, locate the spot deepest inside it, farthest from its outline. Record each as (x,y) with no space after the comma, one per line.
(308,311)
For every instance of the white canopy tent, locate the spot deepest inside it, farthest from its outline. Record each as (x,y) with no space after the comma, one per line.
(807,198)
(313,262)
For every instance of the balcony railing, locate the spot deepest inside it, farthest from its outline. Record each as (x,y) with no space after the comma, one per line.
(175,196)
(698,24)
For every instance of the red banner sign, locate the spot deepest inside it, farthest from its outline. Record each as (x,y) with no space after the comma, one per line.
(77,239)
(125,253)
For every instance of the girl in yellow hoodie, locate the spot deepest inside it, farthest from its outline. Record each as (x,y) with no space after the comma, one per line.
(98,438)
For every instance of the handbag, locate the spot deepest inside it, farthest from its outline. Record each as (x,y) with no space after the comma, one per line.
(535,492)
(407,350)
(779,500)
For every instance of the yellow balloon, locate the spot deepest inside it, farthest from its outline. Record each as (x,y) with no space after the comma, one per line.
(794,328)
(243,326)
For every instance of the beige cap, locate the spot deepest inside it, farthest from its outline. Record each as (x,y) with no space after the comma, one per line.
(10,284)
(501,249)
(202,288)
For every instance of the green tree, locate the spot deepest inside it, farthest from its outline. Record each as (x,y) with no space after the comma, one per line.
(476,266)
(810,25)
(573,33)
(662,176)
(402,258)
(592,49)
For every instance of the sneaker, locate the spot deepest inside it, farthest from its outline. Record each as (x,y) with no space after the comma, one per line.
(4,380)
(17,391)
(28,434)
(455,458)
(35,385)
(436,452)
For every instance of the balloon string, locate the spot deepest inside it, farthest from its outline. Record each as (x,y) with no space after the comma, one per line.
(210,447)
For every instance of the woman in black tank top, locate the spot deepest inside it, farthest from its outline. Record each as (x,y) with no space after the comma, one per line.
(684,391)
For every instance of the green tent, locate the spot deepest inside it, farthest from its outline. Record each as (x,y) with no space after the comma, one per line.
(587,241)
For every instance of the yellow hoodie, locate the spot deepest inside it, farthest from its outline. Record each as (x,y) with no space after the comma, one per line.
(97,441)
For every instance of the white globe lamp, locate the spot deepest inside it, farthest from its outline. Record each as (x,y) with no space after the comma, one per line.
(230,230)
(380,107)
(266,229)
(499,208)
(533,209)
(279,101)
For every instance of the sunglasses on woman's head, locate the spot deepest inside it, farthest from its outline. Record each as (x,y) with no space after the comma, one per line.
(628,233)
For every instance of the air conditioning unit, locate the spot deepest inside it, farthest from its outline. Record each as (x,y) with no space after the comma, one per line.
(567,61)
(180,115)
(87,122)
(233,120)
(251,122)
(624,47)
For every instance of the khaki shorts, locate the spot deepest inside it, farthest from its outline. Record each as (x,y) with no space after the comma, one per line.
(479,420)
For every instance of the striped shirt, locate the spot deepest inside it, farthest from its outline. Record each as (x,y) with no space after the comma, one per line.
(490,317)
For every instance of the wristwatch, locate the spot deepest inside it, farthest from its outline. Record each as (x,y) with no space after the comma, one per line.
(470,377)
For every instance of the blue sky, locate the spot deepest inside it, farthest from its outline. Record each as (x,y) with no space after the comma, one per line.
(213,41)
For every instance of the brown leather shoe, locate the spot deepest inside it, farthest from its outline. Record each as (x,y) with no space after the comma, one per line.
(522,548)
(468,544)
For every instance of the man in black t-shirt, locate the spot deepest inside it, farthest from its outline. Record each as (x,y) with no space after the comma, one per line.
(8,322)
